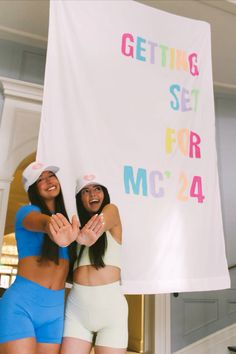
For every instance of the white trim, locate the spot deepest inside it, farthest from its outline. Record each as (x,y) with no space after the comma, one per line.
(226,6)
(162,324)
(23,33)
(23,37)
(221,87)
(22,103)
(21,89)
(4,192)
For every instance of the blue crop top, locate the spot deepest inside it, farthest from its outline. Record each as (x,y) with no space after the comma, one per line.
(29,243)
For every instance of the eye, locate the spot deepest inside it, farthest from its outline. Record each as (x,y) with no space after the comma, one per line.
(98,188)
(84,191)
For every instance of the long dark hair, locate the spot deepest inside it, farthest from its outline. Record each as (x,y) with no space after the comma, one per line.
(97,250)
(50,250)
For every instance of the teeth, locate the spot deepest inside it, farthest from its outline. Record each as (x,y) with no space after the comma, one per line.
(51,188)
(94,201)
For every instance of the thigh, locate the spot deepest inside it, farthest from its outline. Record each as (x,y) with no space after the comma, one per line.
(15,321)
(49,325)
(76,323)
(107,350)
(48,348)
(114,333)
(75,346)
(19,346)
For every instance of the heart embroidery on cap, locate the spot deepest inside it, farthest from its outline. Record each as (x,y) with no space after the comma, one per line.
(38,165)
(89,178)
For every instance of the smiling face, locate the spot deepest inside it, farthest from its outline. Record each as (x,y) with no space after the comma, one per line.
(92,197)
(48,186)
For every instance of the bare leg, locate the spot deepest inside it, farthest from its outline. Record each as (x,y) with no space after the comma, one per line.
(19,346)
(107,350)
(48,348)
(75,346)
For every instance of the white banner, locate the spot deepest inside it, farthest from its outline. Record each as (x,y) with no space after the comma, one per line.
(128,97)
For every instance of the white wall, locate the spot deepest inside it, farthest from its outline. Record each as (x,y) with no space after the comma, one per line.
(197,315)
(226,144)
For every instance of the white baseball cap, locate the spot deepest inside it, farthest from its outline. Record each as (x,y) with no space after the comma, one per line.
(33,171)
(86,180)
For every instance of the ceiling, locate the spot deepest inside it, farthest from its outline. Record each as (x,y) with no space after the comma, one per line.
(26,21)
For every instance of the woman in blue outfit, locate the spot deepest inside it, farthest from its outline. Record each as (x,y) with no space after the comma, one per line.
(32,309)
(95,304)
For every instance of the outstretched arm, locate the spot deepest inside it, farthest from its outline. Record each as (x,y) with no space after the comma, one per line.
(109,219)
(112,221)
(64,232)
(61,232)
(91,231)
(111,216)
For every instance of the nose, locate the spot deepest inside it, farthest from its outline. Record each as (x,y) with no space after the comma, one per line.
(91,192)
(48,179)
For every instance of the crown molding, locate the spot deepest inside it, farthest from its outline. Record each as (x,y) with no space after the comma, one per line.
(21,89)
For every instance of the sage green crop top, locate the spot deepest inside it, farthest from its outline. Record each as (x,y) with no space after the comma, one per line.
(112,255)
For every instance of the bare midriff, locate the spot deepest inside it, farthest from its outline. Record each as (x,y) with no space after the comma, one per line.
(90,276)
(46,273)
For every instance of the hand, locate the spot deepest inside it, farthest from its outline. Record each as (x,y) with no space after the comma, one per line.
(62,231)
(91,231)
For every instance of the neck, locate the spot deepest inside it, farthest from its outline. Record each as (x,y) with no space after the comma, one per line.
(51,205)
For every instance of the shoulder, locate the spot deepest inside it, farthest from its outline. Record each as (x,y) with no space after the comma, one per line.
(111,211)
(111,207)
(25,210)
(112,221)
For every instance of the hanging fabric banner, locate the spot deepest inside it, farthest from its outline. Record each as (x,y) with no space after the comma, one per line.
(128,98)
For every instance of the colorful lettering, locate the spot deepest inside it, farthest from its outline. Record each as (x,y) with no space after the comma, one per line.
(126,48)
(147,50)
(135,183)
(140,49)
(187,141)
(154,178)
(183,98)
(193,64)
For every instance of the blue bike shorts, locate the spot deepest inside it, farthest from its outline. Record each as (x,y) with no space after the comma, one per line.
(28,309)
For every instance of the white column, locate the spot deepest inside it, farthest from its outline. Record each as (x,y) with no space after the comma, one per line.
(162,324)
(4,193)
(19,126)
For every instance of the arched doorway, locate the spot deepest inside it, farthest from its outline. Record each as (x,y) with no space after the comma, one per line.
(17,197)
